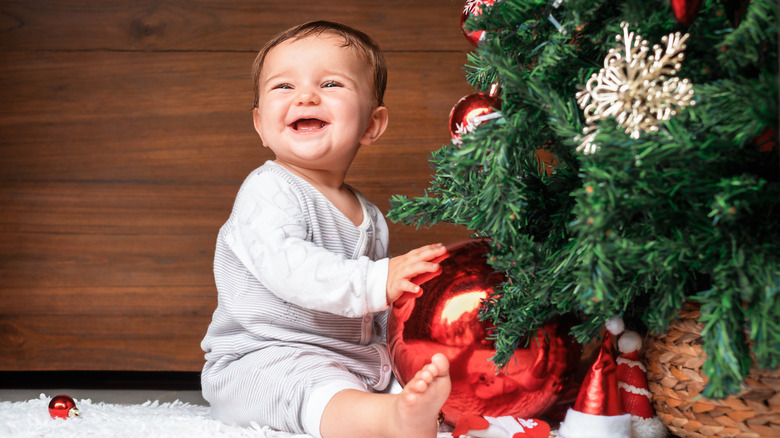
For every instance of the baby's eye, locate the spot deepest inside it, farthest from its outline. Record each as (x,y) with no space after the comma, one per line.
(282,87)
(329,84)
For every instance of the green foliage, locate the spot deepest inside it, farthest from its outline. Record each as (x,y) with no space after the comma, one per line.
(689,212)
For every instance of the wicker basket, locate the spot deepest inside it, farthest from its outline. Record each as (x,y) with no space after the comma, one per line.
(675,380)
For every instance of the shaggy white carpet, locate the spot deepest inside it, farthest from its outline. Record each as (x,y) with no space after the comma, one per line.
(151,419)
(31,418)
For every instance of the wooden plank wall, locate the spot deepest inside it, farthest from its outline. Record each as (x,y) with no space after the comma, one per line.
(125,132)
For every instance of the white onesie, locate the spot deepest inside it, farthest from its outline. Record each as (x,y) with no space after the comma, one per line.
(301,305)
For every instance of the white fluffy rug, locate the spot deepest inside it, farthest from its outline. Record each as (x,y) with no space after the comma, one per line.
(148,420)
(151,419)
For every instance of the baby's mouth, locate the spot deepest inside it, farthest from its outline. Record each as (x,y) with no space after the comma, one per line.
(304,125)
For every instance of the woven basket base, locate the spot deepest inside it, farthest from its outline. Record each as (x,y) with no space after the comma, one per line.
(675,380)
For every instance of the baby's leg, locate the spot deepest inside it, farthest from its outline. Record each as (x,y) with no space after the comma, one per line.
(410,414)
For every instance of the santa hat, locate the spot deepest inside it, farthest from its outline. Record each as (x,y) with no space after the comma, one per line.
(597,413)
(632,385)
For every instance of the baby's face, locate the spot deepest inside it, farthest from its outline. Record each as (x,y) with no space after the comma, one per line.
(315,102)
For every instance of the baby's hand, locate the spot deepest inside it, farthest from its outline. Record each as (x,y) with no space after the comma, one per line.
(403,268)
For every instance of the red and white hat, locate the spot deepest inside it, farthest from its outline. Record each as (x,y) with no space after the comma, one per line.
(598,412)
(632,385)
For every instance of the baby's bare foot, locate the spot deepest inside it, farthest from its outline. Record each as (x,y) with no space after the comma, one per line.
(419,404)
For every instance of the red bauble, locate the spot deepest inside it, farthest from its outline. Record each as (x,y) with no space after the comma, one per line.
(766,141)
(473,8)
(444,319)
(685,11)
(63,406)
(470,112)
(547,161)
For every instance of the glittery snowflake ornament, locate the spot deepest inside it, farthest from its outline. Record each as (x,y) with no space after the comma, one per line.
(637,90)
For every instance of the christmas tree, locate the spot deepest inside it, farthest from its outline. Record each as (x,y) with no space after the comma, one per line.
(664,187)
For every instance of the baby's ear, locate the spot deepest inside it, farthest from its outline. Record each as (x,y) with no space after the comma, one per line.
(256,121)
(376,125)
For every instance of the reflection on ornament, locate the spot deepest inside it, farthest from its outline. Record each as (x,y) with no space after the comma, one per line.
(445,319)
(474,110)
(637,90)
(63,406)
(473,8)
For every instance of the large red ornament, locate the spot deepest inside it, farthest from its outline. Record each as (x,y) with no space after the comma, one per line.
(473,8)
(685,11)
(471,111)
(444,319)
(63,406)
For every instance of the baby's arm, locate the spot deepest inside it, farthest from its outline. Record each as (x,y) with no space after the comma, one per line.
(269,233)
(402,269)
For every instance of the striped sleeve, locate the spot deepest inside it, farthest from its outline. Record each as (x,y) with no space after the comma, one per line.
(269,234)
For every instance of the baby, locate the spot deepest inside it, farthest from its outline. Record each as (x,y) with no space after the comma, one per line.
(304,279)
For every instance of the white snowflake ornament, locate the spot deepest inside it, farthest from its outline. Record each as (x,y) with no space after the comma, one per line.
(637,90)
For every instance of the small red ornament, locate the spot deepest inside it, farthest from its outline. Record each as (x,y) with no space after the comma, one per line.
(685,11)
(63,406)
(766,141)
(473,110)
(473,8)
(445,319)
(546,161)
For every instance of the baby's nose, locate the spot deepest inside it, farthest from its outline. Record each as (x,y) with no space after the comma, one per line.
(308,97)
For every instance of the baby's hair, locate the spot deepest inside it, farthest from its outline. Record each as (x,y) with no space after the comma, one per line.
(354,38)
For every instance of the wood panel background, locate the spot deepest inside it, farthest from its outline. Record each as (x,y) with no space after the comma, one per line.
(125,132)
